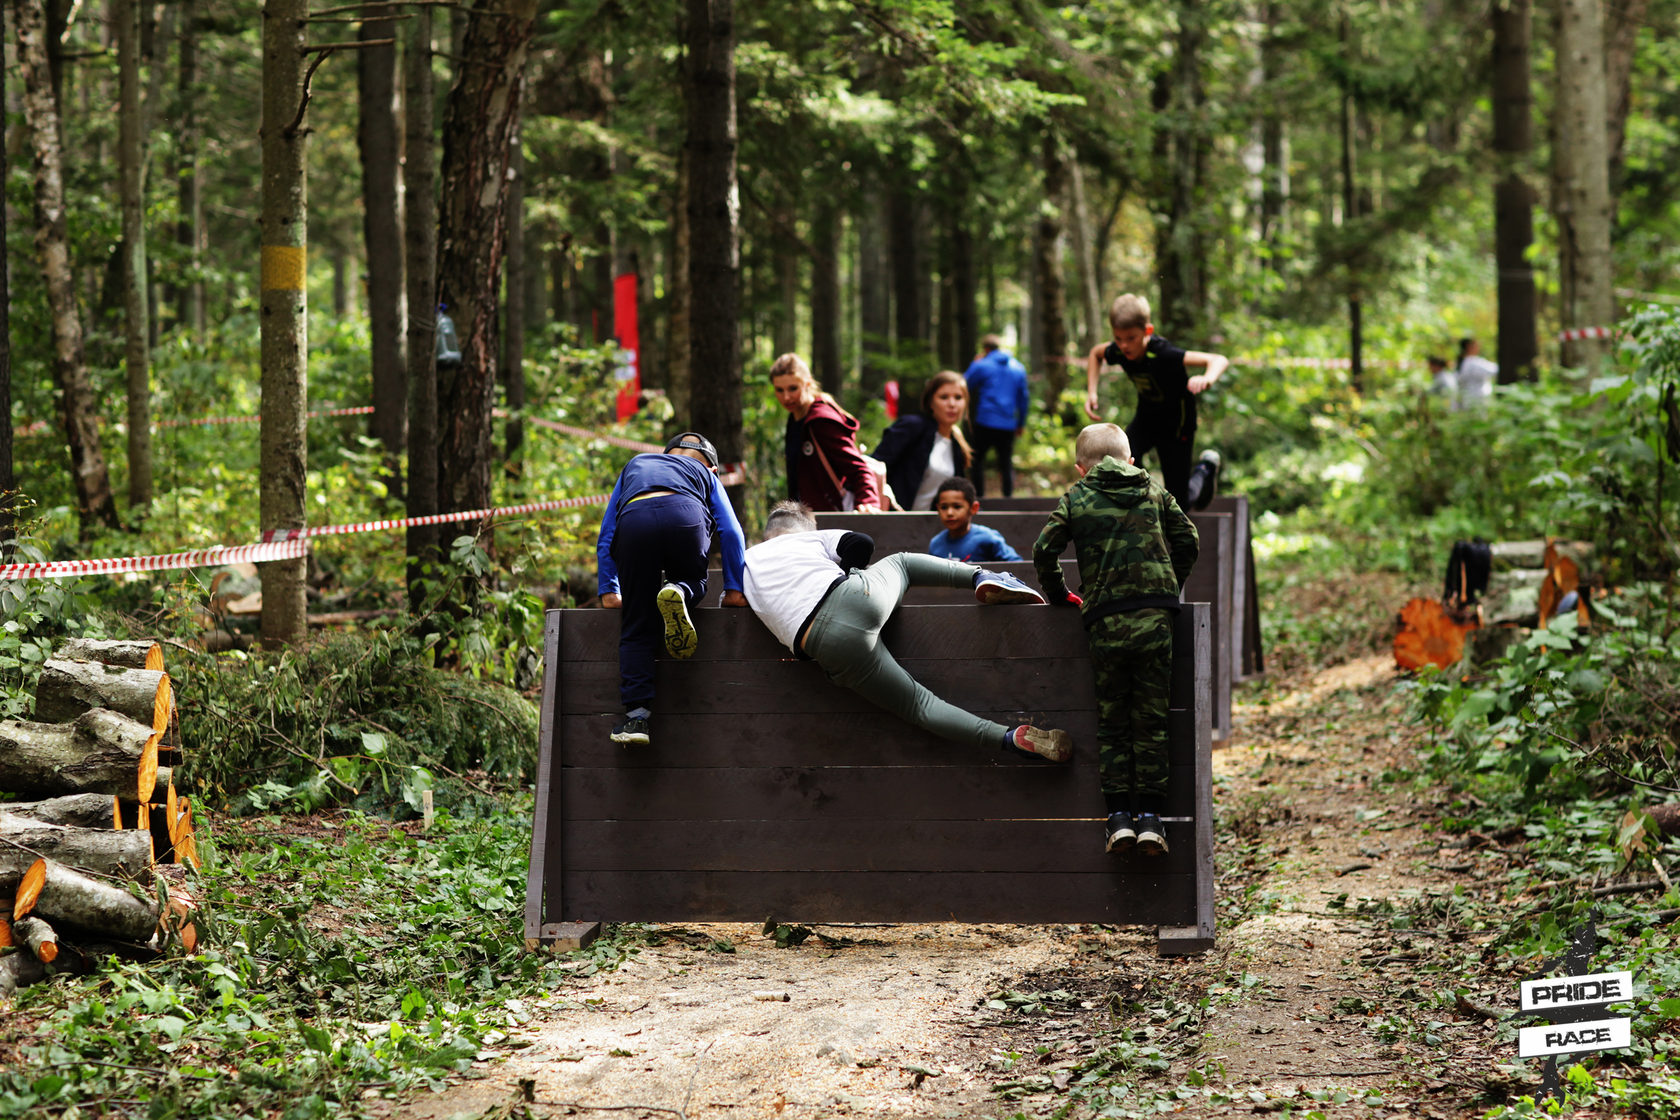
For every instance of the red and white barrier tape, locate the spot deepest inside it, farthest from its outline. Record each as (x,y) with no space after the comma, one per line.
(1285,362)
(1580,333)
(362,410)
(431,519)
(200,557)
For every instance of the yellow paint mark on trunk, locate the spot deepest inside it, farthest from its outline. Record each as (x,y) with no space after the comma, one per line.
(283,268)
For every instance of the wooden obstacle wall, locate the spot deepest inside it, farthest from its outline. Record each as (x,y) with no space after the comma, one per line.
(1212,580)
(768,791)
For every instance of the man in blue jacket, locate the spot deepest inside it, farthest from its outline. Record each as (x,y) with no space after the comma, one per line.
(997,386)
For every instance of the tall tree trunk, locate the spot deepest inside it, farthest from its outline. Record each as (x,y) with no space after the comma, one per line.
(157,29)
(1178,252)
(131,158)
(77,410)
(285,393)
(1050,302)
(1623,19)
(874,296)
(680,384)
(1513,198)
(8,476)
(1274,188)
(1091,295)
(420,243)
(905,241)
(482,115)
(1350,211)
(965,289)
(1581,157)
(714,224)
(785,333)
(189,226)
(825,295)
(513,337)
(380,148)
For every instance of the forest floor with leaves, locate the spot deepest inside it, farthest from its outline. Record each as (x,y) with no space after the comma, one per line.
(1349,977)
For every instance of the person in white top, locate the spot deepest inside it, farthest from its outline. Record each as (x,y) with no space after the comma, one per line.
(820,597)
(1475,375)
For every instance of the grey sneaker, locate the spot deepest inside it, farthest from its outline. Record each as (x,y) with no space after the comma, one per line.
(1000,587)
(1121,835)
(680,638)
(1151,835)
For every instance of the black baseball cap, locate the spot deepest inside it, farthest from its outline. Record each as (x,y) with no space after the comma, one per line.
(694,441)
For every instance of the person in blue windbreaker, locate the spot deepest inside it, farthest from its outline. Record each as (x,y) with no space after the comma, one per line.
(658,529)
(997,384)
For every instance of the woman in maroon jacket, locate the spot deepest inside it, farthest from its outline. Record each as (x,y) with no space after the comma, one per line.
(825,470)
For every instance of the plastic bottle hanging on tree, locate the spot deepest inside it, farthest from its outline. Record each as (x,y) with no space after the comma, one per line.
(448,346)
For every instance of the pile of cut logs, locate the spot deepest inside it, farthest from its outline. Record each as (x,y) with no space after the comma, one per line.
(97,813)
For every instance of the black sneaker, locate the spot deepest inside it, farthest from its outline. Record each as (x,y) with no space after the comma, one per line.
(634,729)
(1000,587)
(680,638)
(1040,743)
(1204,480)
(1151,835)
(1121,835)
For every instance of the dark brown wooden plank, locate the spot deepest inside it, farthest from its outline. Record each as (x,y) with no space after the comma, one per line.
(1194,631)
(828,844)
(865,737)
(990,788)
(1210,582)
(752,688)
(546,826)
(1017,505)
(967,630)
(1247,604)
(1033,790)
(1021,569)
(911,532)
(731,896)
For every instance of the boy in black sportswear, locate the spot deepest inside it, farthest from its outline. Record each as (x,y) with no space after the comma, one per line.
(1166,390)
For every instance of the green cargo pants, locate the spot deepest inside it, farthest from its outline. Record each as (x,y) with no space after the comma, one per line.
(1131,653)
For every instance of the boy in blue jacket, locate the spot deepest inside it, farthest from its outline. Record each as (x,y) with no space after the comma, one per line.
(997,384)
(664,511)
(962,539)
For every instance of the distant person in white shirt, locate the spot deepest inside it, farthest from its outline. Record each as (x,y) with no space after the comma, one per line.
(1443,381)
(1475,375)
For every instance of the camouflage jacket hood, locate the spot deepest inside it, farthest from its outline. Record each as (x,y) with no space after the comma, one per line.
(1134,545)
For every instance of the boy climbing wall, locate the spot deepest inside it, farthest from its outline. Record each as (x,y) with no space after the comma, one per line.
(1165,420)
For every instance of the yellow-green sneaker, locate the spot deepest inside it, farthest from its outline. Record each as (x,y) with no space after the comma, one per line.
(680,638)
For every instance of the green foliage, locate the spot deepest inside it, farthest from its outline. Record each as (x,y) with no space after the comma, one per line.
(352,719)
(37,615)
(340,961)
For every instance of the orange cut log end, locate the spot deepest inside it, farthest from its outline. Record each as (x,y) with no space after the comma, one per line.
(163,705)
(172,809)
(1428,636)
(5,932)
(154,657)
(116,813)
(147,778)
(29,889)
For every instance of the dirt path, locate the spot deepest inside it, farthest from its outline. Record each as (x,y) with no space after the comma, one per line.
(1321,994)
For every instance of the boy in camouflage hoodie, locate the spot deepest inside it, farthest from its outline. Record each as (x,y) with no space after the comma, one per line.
(1135,548)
